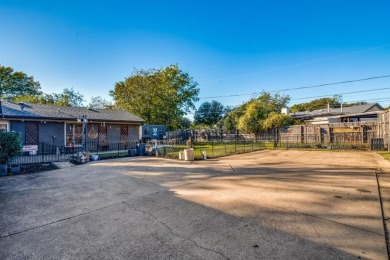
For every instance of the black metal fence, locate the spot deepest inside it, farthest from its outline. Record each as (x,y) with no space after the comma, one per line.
(352,135)
(209,142)
(48,153)
(212,149)
(218,135)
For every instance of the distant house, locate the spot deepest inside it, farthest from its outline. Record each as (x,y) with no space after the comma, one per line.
(358,113)
(63,126)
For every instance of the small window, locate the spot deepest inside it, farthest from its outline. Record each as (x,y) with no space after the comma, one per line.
(3,128)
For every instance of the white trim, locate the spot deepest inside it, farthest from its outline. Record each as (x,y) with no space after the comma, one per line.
(8,124)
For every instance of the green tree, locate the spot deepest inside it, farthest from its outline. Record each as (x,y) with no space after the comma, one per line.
(354,104)
(250,116)
(68,97)
(276,120)
(320,103)
(99,103)
(251,120)
(16,83)
(209,113)
(159,96)
(231,119)
(40,98)
(185,123)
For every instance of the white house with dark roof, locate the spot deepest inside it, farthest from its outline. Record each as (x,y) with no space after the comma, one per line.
(63,126)
(358,113)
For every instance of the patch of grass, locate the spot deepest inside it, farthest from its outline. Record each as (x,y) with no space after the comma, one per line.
(104,156)
(214,150)
(385,155)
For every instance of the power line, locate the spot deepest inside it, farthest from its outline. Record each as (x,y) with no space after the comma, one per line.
(324,96)
(306,87)
(345,93)
(353,101)
(298,64)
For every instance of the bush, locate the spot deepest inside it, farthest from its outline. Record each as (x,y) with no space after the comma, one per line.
(10,146)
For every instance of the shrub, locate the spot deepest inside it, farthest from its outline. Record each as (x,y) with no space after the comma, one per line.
(10,146)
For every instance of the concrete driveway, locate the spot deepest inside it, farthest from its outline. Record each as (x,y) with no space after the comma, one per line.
(271,204)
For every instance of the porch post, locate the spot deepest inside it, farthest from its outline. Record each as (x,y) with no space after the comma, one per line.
(84,120)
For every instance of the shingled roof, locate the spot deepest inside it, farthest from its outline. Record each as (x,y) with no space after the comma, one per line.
(37,111)
(337,111)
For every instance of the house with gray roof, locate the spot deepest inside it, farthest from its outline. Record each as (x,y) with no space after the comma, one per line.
(358,113)
(66,126)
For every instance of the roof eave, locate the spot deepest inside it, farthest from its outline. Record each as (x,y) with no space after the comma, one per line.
(69,119)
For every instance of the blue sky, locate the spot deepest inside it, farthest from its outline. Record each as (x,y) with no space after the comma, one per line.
(228,47)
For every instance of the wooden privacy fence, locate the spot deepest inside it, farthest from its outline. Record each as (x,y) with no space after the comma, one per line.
(383,129)
(351,135)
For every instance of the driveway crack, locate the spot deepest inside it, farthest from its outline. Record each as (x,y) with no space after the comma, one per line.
(323,239)
(175,234)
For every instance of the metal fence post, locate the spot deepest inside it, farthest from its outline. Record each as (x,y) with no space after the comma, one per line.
(235,145)
(42,148)
(287,142)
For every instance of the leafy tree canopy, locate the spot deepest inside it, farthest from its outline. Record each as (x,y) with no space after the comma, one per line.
(315,104)
(159,96)
(209,113)
(99,103)
(276,120)
(354,104)
(322,103)
(185,123)
(251,120)
(69,97)
(16,83)
(250,116)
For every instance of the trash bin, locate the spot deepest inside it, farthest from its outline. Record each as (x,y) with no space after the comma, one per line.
(189,154)
(141,149)
(131,152)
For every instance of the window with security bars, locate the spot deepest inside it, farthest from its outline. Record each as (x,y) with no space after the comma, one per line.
(102,135)
(32,133)
(124,133)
